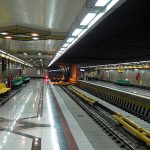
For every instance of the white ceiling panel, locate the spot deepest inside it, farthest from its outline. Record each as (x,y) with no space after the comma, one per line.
(53,14)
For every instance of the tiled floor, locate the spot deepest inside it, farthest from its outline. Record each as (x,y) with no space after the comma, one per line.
(11,141)
(30,121)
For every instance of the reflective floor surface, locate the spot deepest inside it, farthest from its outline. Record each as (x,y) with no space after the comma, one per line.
(30,120)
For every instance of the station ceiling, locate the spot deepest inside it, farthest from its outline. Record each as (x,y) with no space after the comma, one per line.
(50,19)
(124,36)
(121,37)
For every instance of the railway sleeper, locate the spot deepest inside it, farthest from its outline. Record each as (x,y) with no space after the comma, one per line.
(131,108)
(104,125)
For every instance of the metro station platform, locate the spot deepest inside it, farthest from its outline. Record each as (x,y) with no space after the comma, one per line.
(44,117)
(37,119)
(133,100)
(126,89)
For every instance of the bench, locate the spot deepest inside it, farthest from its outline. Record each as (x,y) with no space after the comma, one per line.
(25,79)
(17,82)
(3,88)
(122,82)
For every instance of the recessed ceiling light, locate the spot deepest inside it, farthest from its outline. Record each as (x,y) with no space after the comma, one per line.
(102,3)
(79,31)
(65,45)
(2,52)
(62,49)
(34,34)
(87,19)
(25,54)
(39,54)
(35,38)
(76,32)
(70,40)
(8,37)
(4,33)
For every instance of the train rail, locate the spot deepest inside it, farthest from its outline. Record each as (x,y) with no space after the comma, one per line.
(128,89)
(132,103)
(124,131)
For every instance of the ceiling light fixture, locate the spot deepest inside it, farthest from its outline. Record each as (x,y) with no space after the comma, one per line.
(62,49)
(102,3)
(8,37)
(4,33)
(79,32)
(76,32)
(87,19)
(34,34)
(2,52)
(35,38)
(70,40)
(39,54)
(25,54)
(13,58)
(65,45)
(58,52)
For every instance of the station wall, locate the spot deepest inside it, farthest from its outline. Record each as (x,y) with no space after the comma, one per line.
(34,72)
(9,68)
(135,76)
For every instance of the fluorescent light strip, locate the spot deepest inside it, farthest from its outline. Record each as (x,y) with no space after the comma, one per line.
(70,40)
(111,4)
(4,33)
(76,32)
(62,49)
(34,34)
(8,37)
(65,45)
(96,19)
(59,52)
(80,32)
(102,3)
(88,18)
(113,65)
(15,58)
(2,52)
(57,56)
(35,38)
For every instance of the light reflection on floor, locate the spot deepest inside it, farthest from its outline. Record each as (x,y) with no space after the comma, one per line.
(22,128)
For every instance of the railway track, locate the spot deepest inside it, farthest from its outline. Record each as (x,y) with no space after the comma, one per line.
(112,122)
(143,123)
(130,102)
